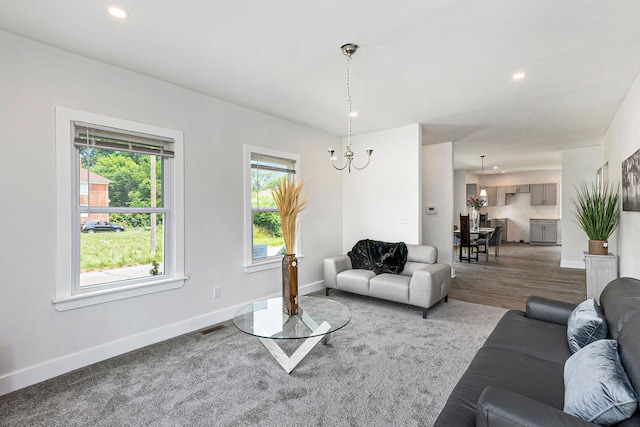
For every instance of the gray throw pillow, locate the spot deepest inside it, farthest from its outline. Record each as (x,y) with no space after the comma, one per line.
(585,325)
(596,386)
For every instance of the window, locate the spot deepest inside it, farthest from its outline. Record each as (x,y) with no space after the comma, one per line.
(120,209)
(265,244)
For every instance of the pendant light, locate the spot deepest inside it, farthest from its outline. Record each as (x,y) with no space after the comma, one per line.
(483,189)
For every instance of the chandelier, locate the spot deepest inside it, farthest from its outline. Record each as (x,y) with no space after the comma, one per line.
(348,50)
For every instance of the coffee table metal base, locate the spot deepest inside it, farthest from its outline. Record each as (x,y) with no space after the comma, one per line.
(290,362)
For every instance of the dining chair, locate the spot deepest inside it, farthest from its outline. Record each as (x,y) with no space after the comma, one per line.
(484,220)
(495,239)
(465,240)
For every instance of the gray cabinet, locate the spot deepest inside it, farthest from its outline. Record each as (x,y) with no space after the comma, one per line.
(544,194)
(501,196)
(543,231)
(491,196)
(496,196)
(472,190)
(513,189)
(503,222)
(600,270)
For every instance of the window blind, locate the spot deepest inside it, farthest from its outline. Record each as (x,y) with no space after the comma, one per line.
(95,136)
(274,164)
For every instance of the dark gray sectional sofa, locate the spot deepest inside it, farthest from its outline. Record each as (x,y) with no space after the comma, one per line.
(517,377)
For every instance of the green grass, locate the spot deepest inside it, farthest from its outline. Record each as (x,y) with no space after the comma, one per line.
(110,250)
(269,241)
(265,237)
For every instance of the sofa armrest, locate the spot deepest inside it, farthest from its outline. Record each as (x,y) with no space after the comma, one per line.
(429,284)
(332,267)
(501,408)
(549,310)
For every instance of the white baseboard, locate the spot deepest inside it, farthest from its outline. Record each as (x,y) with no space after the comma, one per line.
(34,374)
(572,264)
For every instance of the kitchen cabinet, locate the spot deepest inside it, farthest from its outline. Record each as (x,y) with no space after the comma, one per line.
(472,190)
(503,222)
(543,231)
(600,270)
(496,196)
(543,194)
(513,189)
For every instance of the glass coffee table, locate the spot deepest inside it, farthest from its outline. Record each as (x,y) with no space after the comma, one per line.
(317,318)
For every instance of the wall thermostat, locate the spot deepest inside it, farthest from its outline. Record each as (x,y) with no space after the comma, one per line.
(431,210)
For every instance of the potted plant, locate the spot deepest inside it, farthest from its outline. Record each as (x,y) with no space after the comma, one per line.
(475,204)
(597,211)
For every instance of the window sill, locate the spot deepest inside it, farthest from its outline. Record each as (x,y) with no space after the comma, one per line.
(106,295)
(266,265)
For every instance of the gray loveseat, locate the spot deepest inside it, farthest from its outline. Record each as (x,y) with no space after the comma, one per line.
(423,281)
(517,377)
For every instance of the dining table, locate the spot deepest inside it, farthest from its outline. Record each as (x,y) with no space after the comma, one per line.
(480,233)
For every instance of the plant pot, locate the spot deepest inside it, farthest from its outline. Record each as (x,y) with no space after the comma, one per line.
(290,284)
(598,247)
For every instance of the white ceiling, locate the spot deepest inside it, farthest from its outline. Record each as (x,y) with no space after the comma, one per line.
(446,64)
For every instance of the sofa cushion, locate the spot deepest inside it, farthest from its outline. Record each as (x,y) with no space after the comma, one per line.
(356,281)
(629,350)
(586,324)
(411,267)
(537,338)
(391,287)
(520,373)
(620,301)
(422,253)
(597,388)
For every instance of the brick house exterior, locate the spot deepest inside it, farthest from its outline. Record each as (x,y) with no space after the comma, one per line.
(97,189)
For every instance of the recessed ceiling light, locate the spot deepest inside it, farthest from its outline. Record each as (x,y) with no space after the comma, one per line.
(353,114)
(116,12)
(495,167)
(504,172)
(519,76)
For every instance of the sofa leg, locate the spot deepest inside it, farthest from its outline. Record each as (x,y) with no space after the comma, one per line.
(424,313)
(446,298)
(326,291)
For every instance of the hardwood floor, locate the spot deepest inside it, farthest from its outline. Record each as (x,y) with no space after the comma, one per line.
(521,270)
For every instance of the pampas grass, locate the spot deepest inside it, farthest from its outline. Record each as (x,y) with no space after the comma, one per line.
(290,202)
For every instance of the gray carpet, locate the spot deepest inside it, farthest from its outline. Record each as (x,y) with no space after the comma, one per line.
(387,367)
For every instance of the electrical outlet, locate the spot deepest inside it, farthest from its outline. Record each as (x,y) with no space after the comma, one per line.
(216,292)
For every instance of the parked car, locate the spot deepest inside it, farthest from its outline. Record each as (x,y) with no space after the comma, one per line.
(100,226)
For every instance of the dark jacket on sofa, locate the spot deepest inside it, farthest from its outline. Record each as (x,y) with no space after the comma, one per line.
(517,377)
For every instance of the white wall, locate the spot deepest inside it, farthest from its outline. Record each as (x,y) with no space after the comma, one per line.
(579,165)
(459,195)
(437,191)
(518,209)
(620,142)
(377,199)
(36,341)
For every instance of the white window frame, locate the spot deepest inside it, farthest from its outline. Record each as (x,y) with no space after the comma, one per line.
(67,294)
(251,266)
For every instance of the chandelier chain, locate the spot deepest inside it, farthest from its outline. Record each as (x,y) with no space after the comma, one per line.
(349,98)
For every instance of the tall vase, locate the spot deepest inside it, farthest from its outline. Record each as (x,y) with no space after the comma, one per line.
(290,284)
(475,217)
